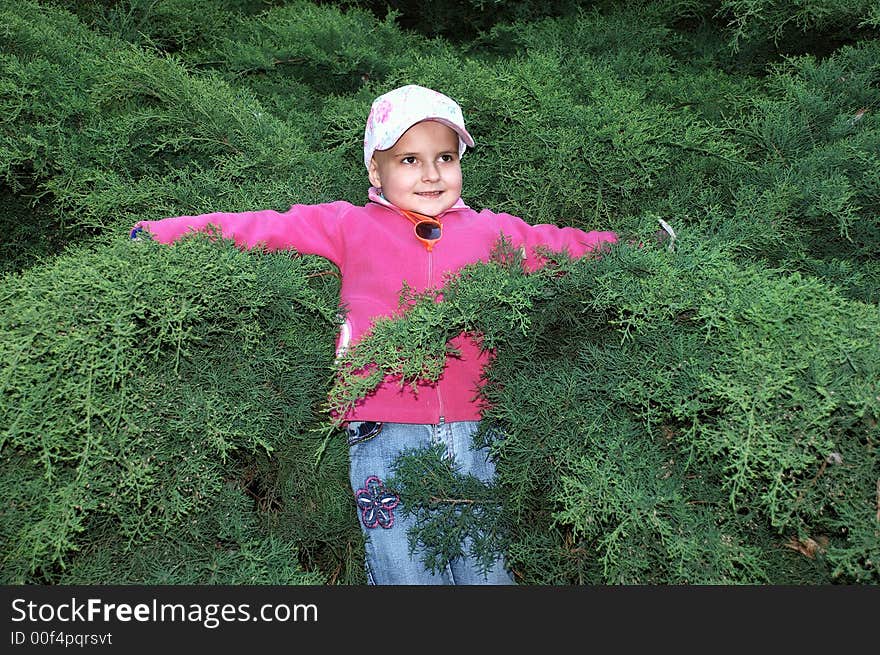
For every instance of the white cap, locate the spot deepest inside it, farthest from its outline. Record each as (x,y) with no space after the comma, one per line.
(395,112)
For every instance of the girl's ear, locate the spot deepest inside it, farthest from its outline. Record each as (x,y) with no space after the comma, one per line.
(373,172)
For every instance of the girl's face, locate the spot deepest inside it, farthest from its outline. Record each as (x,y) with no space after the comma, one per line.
(422,171)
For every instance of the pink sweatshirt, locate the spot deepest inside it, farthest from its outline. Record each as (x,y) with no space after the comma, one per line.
(376,251)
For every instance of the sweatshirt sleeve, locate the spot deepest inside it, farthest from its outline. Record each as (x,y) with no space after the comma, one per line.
(576,242)
(308,229)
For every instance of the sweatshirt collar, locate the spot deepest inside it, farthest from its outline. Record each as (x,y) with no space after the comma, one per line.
(376,197)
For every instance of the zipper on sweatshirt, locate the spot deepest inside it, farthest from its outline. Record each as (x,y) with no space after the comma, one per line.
(431,286)
(430,254)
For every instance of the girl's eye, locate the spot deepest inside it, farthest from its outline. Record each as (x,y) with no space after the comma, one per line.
(408,160)
(448,157)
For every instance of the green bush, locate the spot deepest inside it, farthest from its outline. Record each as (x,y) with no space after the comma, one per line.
(664,418)
(144,390)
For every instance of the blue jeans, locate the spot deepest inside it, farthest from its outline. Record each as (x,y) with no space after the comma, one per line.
(388,560)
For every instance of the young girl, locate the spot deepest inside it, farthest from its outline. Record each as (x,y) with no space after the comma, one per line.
(414,229)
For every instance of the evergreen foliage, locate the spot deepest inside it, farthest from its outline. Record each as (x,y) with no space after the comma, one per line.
(144,388)
(700,414)
(661,415)
(814,193)
(462,20)
(761,20)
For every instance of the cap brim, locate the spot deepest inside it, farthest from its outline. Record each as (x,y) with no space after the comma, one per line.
(458,129)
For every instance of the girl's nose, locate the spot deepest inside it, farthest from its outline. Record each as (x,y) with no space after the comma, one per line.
(430,172)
